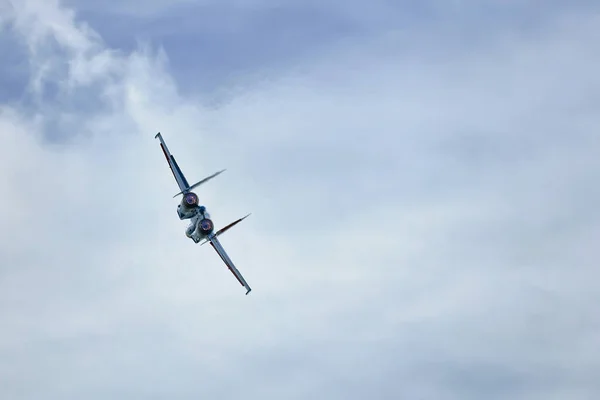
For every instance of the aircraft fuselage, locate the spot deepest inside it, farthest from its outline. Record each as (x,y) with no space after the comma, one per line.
(200,223)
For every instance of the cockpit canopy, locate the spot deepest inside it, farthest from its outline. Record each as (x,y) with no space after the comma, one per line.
(203,212)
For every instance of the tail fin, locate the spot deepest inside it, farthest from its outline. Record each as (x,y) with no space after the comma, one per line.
(222,230)
(200,182)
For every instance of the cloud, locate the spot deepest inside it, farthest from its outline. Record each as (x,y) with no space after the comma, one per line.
(424,220)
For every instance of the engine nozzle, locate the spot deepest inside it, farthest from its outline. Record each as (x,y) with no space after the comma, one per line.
(190,200)
(205,226)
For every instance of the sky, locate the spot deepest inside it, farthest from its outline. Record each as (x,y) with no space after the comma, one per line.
(422,178)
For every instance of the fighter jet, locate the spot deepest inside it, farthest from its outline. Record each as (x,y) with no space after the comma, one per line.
(201,227)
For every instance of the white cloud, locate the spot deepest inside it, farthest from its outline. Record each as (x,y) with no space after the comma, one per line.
(419,229)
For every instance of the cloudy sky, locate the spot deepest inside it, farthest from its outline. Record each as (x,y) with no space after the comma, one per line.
(423,178)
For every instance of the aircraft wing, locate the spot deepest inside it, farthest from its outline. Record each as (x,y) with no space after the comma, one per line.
(179,177)
(221,251)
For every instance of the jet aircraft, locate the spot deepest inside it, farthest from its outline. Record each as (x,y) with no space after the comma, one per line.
(201,227)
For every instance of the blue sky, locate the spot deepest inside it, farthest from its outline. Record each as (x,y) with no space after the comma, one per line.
(422,178)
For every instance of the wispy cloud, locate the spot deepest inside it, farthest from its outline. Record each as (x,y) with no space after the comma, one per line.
(424,217)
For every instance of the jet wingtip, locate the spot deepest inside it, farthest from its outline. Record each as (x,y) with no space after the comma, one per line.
(249,290)
(157,135)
